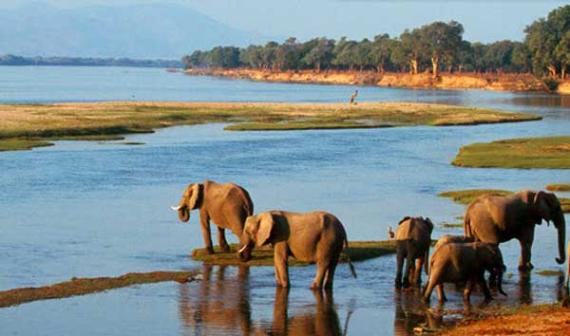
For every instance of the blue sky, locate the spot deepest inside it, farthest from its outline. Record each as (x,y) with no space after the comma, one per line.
(484,21)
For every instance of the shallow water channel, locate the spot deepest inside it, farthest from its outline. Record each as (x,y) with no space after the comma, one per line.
(102,208)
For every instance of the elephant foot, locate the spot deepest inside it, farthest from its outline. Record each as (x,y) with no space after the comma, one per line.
(225,248)
(315,286)
(209,250)
(526,267)
(398,284)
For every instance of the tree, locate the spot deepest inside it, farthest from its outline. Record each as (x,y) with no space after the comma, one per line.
(562,53)
(543,37)
(521,58)
(321,54)
(381,49)
(441,40)
(412,46)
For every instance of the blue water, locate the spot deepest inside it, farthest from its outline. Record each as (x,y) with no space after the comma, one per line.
(101,208)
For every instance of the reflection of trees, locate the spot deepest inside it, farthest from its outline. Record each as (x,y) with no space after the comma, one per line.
(216,304)
(322,321)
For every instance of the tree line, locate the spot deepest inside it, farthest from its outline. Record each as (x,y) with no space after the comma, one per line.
(87,61)
(434,47)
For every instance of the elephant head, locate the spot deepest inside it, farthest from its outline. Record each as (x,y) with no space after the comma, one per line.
(547,207)
(491,258)
(191,200)
(258,230)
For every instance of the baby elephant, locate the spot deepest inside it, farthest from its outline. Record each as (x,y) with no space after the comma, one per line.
(448,239)
(312,237)
(413,238)
(465,263)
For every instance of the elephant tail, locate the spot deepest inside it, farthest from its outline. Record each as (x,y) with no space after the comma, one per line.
(350,265)
(467,225)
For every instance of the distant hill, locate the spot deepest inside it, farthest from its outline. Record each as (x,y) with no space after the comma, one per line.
(136,31)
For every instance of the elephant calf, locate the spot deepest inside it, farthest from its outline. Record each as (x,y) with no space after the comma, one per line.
(466,262)
(413,238)
(312,237)
(448,239)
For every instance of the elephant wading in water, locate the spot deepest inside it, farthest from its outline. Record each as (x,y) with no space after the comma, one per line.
(497,219)
(413,238)
(227,205)
(311,237)
(466,262)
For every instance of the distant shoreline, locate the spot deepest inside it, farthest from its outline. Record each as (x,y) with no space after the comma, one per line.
(12,60)
(446,81)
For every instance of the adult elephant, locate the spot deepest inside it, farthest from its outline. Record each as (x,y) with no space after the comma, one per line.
(497,219)
(227,205)
(316,236)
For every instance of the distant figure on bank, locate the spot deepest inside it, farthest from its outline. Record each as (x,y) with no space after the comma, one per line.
(353,97)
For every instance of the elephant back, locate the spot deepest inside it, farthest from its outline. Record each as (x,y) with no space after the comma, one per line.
(413,228)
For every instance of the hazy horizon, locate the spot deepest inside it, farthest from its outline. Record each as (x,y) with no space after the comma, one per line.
(484,21)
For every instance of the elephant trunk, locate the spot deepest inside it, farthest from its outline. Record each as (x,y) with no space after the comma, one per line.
(184,214)
(244,253)
(560,224)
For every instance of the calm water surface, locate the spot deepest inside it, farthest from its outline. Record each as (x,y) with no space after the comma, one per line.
(101,208)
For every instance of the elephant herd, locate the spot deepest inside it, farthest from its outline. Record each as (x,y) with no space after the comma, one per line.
(320,237)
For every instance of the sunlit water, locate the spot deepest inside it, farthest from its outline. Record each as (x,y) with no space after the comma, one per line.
(101,208)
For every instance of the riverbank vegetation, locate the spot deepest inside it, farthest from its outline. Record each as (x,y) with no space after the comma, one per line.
(467,196)
(87,61)
(83,286)
(545,152)
(433,48)
(564,187)
(27,126)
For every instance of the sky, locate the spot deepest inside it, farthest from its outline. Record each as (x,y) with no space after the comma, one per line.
(484,21)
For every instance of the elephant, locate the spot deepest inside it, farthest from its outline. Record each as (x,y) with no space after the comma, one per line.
(497,219)
(567,281)
(413,239)
(227,205)
(447,239)
(466,262)
(315,236)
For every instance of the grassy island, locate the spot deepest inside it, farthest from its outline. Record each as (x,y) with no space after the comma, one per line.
(546,152)
(357,251)
(28,126)
(469,195)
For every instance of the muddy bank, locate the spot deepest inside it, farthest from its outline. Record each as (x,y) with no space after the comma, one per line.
(83,286)
(493,82)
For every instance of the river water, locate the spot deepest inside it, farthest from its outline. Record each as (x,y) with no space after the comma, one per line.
(101,208)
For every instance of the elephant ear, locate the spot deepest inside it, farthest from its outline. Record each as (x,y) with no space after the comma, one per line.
(429,224)
(404,219)
(543,203)
(265,229)
(195,192)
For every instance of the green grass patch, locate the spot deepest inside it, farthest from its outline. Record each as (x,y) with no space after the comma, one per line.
(22,144)
(469,195)
(83,286)
(547,153)
(357,251)
(451,225)
(563,187)
(547,272)
(103,121)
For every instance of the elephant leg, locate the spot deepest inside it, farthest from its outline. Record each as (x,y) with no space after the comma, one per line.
(222,240)
(280,255)
(323,265)
(400,264)
(409,270)
(483,285)
(441,293)
(418,271)
(205,226)
(429,289)
(526,245)
(467,291)
(329,275)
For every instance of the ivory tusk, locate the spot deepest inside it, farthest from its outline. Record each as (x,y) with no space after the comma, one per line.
(242,249)
(175,208)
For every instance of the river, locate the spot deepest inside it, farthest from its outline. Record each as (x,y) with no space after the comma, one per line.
(102,208)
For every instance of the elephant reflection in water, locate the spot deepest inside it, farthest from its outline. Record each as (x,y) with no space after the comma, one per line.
(411,313)
(216,304)
(323,321)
